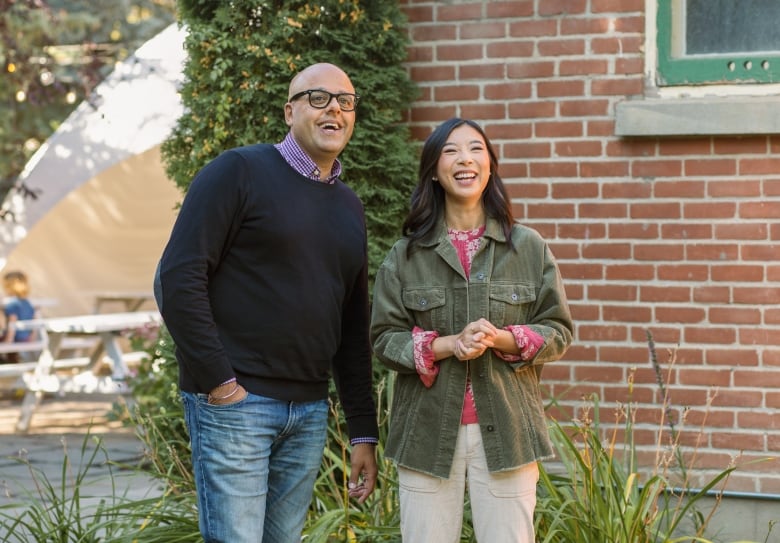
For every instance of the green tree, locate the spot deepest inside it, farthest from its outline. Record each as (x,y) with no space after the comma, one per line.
(52,55)
(242,55)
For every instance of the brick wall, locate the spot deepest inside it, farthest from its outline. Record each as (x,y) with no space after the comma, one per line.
(673,236)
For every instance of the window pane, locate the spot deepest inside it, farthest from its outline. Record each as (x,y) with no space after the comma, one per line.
(729,26)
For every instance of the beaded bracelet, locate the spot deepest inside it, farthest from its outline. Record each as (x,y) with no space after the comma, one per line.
(211,398)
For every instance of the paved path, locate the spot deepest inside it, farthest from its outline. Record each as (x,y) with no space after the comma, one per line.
(58,431)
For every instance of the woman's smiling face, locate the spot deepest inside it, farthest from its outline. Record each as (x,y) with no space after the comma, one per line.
(463,169)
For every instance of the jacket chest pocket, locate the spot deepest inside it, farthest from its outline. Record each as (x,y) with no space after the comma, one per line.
(428,307)
(511,303)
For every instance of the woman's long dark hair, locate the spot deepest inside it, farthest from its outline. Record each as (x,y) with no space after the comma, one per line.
(427,203)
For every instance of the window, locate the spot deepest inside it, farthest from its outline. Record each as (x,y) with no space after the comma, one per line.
(718,41)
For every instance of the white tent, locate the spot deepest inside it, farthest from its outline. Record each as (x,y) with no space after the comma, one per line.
(105,206)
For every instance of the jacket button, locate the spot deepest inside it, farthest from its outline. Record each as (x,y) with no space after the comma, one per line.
(489,428)
(423,302)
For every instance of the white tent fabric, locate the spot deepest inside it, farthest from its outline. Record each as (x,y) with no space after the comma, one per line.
(105,206)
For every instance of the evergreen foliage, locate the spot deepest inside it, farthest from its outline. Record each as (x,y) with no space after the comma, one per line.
(242,56)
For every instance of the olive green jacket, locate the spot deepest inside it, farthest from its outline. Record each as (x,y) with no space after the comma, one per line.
(430,290)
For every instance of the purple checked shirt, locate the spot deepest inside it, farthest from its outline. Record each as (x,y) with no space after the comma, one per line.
(302,163)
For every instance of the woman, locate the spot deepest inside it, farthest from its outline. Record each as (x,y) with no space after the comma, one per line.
(467,307)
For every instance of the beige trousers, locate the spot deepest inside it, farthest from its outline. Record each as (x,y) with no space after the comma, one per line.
(502,503)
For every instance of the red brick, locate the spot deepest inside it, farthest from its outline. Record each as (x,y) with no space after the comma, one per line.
(482,31)
(533,28)
(683,272)
(720,251)
(734,315)
(458,52)
(737,273)
(644,230)
(755,419)
(759,210)
(561,7)
(632,272)
(508,91)
(509,49)
(655,210)
(603,169)
(614,291)
(656,168)
(658,252)
(617,251)
(667,294)
(458,93)
(709,210)
(583,67)
(741,146)
(433,32)
(548,89)
(578,148)
(554,169)
(679,189)
(731,357)
(734,187)
(558,129)
(711,334)
(530,69)
(710,167)
(530,110)
(579,190)
(617,87)
(617,6)
(759,166)
(509,9)
(686,231)
(708,294)
(540,149)
(460,12)
(679,314)
(570,270)
(583,108)
(599,210)
(624,45)
(683,147)
(626,313)
(559,211)
(560,47)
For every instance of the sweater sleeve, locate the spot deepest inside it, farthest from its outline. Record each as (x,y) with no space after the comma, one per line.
(352,368)
(210,215)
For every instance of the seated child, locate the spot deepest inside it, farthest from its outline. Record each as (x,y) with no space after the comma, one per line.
(16,307)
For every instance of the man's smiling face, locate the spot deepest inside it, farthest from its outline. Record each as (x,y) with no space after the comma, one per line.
(321,133)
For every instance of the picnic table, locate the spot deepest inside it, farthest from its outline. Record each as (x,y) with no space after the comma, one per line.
(132,300)
(40,376)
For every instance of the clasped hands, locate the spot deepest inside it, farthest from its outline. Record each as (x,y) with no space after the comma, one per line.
(475,338)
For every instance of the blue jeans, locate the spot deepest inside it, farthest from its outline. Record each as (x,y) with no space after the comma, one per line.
(255,463)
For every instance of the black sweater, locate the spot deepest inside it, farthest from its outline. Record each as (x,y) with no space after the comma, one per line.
(264,279)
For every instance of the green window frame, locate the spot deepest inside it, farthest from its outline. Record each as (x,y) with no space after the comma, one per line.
(677,67)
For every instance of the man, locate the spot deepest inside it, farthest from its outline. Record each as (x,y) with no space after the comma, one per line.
(263,286)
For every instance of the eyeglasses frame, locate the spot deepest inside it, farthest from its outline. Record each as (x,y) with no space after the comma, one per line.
(330,99)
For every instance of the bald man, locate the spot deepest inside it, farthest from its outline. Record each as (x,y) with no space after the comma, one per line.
(263,286)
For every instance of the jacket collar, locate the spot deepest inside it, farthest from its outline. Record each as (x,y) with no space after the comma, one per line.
(439,233)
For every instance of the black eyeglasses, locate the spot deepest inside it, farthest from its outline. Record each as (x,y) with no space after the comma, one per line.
(320,99)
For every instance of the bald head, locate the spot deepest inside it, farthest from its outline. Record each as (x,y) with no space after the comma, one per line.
(309,76)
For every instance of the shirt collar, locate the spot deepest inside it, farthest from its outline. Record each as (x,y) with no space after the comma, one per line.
(302,163)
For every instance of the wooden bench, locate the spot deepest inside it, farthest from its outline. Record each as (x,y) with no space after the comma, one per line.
(66,334)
